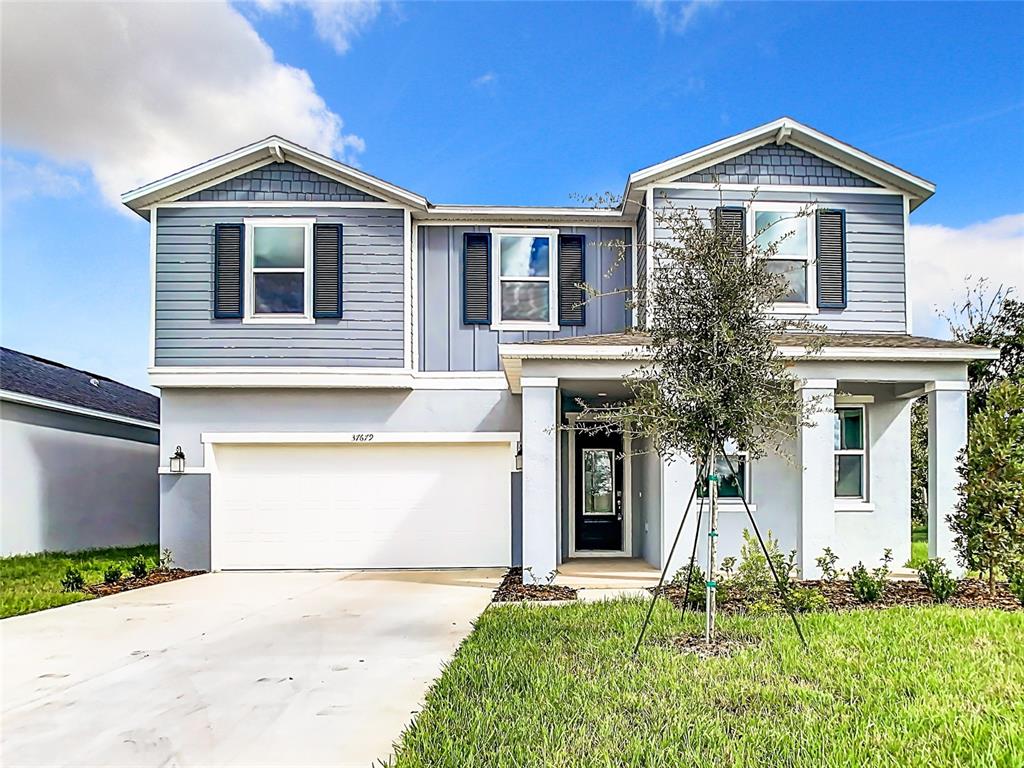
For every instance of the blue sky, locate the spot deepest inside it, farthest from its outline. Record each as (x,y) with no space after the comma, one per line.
(480,103)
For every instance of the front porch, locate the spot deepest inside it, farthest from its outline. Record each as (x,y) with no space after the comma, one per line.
(845,487)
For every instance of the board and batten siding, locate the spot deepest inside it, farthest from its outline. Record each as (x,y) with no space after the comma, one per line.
(875,250)
(640,299)
(370,334)
(446,344)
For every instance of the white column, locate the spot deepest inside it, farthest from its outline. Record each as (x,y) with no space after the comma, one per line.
(947,436)
(677,484)
(816,443)
(540,478)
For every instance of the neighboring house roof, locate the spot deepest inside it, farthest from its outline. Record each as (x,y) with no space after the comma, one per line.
(35,380)
(785,130)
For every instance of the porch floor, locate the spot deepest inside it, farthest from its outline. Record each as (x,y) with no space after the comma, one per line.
(607,573)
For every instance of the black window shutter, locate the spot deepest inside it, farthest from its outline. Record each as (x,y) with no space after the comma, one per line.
(731,223)
(476,278)
(327,266)
(831,258)
(228,265)
(571,270)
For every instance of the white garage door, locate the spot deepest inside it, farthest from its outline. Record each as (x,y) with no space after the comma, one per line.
(361,506)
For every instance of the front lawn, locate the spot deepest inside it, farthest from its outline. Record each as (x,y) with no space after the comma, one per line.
(557,686)
(918,546)
(32,582)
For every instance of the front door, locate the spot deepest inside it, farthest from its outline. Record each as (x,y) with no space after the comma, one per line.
(598,492)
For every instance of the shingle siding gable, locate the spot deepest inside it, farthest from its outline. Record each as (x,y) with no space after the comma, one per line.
(279,182)
(772,164)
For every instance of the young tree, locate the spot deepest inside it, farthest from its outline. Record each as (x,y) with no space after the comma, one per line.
(713,375)
(989,520)
(919,462)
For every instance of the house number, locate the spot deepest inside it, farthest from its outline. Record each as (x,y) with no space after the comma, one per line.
(364,437)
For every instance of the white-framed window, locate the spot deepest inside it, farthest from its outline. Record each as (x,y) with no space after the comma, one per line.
(279,270)
(524,280)
(850,452)
(732,486)
(794,260)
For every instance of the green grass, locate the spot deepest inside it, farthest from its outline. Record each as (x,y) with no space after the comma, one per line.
(918,547)
(557,686)
(32,582)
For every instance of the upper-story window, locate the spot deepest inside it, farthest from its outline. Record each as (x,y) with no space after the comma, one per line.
(793,261)
(524,269)
(279,270)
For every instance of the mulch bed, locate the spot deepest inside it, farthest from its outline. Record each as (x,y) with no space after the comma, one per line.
(970,593)
(512,590)
(158,576)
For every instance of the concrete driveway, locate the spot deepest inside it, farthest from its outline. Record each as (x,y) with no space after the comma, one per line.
(254,669)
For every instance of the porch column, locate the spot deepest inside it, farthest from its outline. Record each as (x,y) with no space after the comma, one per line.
(816,441)
(677,483)
(947,436)
(540,477)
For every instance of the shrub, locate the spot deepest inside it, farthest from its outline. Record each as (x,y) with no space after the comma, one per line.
(166,558)
(827,564)
(138,567)
(938,579)
(728,566)
(806,599)
(73,580)
(990,514)
(1016,582)
(867,586)
(698,584)
(112,574)
(754,577)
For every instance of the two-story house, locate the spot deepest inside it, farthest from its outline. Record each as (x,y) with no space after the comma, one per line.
(358,378)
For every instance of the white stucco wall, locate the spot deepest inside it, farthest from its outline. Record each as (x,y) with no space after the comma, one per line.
(64,485)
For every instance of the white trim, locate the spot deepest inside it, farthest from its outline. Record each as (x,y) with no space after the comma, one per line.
(152,286)
(539,381)
(947,386)
(813,189)
(278,204)
(627,497)
(908,305)
(306,224)
(333,378)
(810,307)
(53,405)
(497,323)
(850,504)
(483,223)
(571,351)
(407,285)
(732,505)
(634,255)
(854,399)
(162,470)
(889,353)
(651,257)
(815,384)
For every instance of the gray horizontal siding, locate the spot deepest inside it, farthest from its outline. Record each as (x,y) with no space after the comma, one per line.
(446,344)
(370,334)
(281,181)
(875,263)
(772,164)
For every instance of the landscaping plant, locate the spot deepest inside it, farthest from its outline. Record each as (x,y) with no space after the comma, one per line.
(112,574)
(73,580)
(713,375)
(138,567)
(1016,582)
(988,523)
(868,587)
(938,579)
(827,565)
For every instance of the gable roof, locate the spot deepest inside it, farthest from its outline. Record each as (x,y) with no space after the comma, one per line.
(785,130)
(40,379)
(269,150)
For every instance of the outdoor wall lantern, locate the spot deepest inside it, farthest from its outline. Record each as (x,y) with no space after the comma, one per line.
(519,456)
(178,461)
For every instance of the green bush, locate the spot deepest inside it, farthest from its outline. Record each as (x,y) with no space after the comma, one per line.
(867,586)
(938,579)
(138,567)
(1016,582)
(73,580)
(112,574)
(754,577)
(827,564)
(698,584)
(806,600)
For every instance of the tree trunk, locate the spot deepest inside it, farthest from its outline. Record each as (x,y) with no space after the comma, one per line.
(709,631)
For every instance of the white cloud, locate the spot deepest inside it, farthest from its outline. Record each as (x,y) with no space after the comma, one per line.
(22,180)
(944,261)
(337,21)
(136,91)
(485,80)
(676,15)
